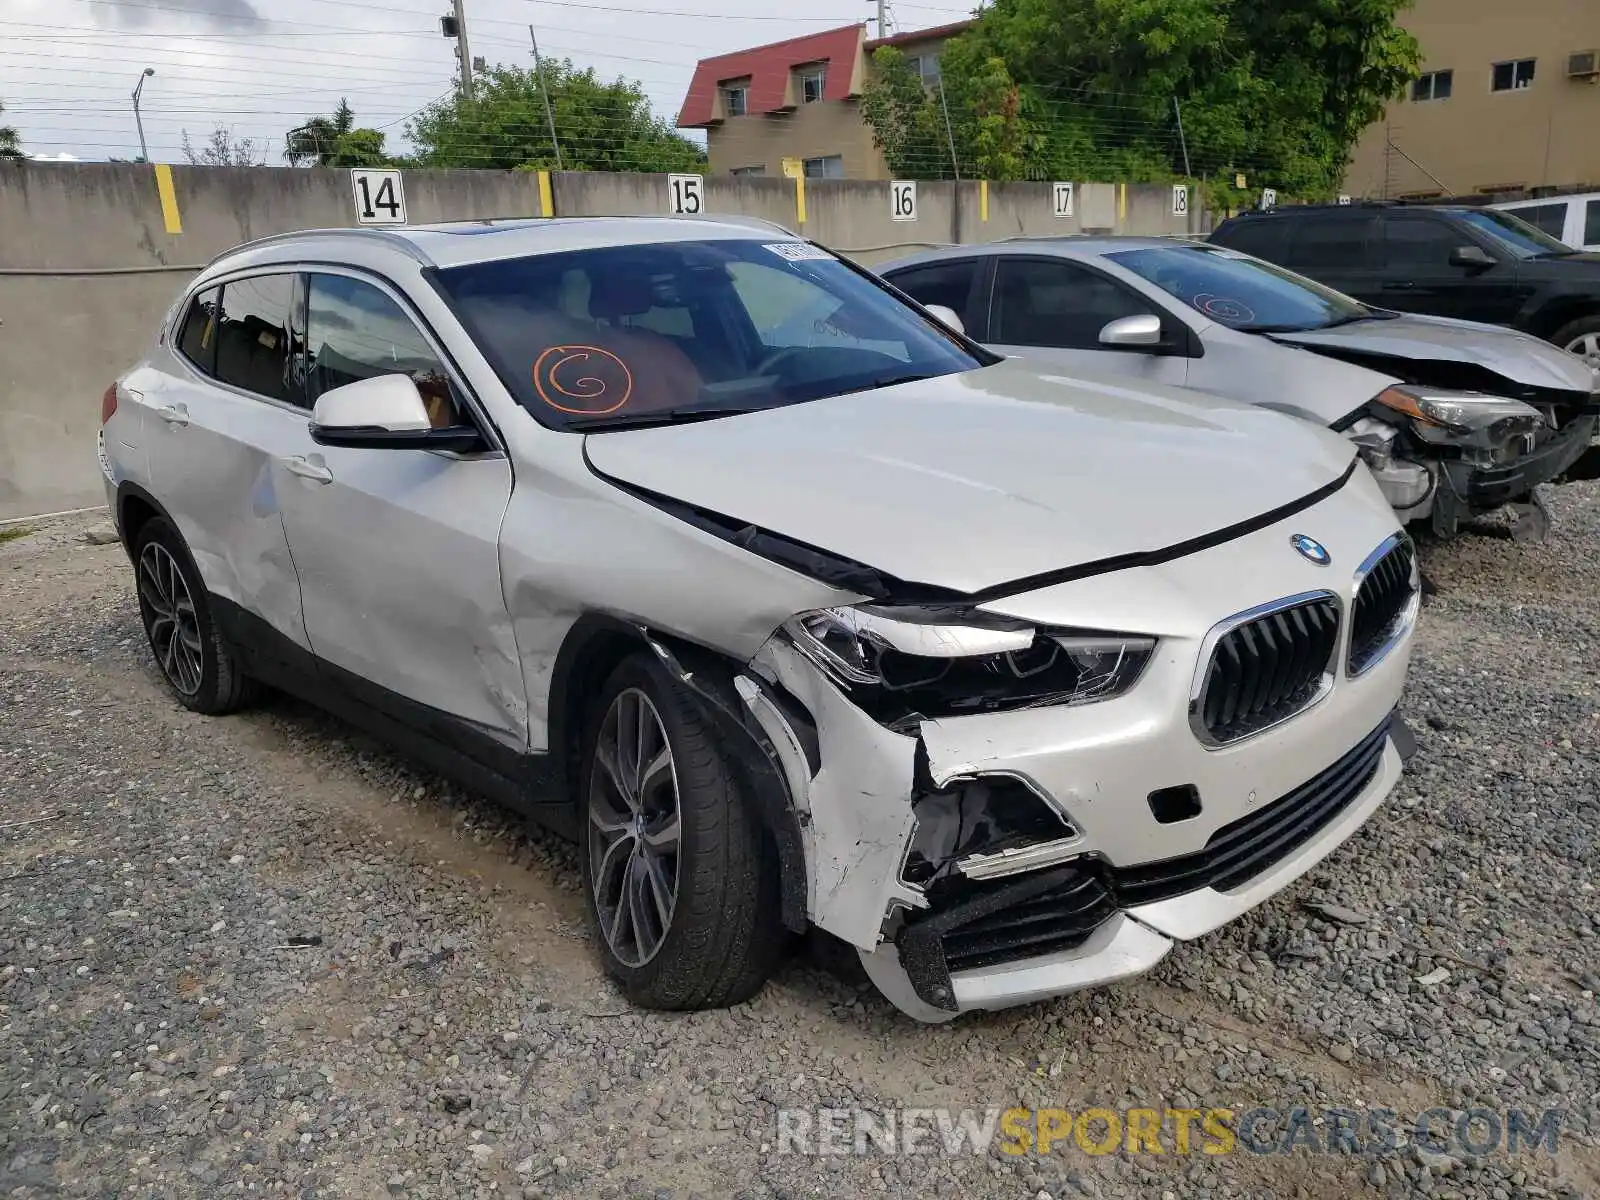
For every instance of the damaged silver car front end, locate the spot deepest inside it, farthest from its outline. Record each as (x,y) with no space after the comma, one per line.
(1441,456)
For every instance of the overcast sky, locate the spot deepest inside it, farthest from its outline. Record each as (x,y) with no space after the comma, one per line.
(68,67)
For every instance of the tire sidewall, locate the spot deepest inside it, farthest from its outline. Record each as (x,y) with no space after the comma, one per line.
(160,530)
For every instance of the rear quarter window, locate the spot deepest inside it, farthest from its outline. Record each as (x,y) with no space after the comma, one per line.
(197,336)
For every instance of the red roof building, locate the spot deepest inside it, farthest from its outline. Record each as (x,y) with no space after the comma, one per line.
(794,103)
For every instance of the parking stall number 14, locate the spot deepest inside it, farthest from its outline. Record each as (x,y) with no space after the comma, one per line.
(380,197)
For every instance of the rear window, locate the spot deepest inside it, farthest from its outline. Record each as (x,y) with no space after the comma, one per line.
(197,340)
(1591,224)
(1265,237)
(1330,243)
(604,335)
(947,283)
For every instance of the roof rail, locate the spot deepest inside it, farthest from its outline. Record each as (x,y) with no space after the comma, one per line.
(405,245)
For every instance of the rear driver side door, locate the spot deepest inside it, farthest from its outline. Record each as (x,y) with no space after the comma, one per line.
(398,550)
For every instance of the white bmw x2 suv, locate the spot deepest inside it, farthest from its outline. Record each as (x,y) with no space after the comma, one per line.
(794,606)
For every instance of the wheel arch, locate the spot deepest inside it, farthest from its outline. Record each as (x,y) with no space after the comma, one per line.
(593,648)
(135,509)
(1563,311)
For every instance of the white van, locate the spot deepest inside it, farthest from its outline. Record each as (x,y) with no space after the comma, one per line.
(1574,220)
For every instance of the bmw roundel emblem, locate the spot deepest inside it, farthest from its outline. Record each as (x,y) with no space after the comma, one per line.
(1310,548)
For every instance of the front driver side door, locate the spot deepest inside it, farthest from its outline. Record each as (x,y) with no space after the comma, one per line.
(398,550)
(1419,277)
(1050,311)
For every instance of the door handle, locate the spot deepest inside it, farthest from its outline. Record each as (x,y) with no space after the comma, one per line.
(307,469)
(1398,285)
(174,414)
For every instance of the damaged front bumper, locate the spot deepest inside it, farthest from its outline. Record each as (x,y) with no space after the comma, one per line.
(1465,489)
(1448,478)
(1149,835)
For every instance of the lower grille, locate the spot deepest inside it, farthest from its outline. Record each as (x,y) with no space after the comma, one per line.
(1240,851)
(1378,616)
(985,924)
(1266,669)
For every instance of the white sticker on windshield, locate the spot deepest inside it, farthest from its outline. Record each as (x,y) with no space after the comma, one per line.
(798,251)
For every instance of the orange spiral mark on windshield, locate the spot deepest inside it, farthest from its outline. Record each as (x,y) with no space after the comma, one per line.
(585,387)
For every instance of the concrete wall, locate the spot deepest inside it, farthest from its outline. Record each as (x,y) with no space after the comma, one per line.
(90,260)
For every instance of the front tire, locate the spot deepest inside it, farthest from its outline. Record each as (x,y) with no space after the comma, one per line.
(196,661)
(682,889)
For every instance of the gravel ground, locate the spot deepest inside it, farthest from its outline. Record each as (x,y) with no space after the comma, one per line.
(264,955)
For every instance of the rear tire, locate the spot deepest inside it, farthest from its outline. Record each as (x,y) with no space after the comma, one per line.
(196,661)
(681,886)
(1581,337)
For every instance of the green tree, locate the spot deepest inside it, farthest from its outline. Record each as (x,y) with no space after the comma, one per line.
(10,141)
(317,140)
(906,122)
(1090,89)
(502,124)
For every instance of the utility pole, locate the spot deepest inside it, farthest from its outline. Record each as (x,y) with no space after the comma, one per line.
(144,151)
(883,18)
(549,113)
(455,26)
(1182,141)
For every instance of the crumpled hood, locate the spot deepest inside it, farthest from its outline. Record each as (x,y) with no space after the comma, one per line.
(973,480)
(1441,352)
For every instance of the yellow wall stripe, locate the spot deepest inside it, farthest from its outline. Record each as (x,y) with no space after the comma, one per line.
(800,199)
(169,198)
(983,199)
(1122,203)
(547,200)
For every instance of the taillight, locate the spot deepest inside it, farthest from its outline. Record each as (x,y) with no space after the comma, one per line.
(108,404)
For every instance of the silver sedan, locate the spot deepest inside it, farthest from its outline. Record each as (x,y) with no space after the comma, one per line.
(1453,418)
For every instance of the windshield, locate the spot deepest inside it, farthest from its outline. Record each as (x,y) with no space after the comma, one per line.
(619,336)
(1513,233)
(1242,292)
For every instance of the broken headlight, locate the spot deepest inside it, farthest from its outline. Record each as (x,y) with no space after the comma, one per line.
(1494,428)
(904,663)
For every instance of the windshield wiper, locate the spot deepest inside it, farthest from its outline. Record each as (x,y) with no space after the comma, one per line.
(646,420)
(889,381)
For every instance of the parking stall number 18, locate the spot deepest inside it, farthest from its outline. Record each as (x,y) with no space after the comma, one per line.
(380,197)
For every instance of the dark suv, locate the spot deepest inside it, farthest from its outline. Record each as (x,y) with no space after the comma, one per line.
(1477,264)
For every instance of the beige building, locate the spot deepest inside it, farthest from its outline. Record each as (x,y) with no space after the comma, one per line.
(798,102)
(1509,100)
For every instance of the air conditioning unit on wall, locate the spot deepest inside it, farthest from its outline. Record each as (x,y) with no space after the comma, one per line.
(1585,64)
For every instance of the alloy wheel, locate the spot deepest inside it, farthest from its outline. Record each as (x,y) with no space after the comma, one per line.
(635,814)
(1586,346)
(170,619)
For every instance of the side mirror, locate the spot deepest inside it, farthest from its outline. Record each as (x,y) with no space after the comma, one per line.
(384,412)
(1474,258)
(1134,333)
(946,317)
